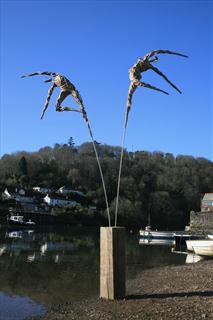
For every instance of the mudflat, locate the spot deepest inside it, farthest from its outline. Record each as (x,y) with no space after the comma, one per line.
(171,292)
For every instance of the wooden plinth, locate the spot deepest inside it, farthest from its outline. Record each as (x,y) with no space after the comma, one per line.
(112,263)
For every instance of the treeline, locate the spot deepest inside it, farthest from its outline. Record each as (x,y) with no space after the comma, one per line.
(154,185)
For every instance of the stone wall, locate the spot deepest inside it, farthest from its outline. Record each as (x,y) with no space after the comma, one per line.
(201,222)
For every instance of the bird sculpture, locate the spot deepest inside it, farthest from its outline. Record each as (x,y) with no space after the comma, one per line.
(67,88)
(142,65)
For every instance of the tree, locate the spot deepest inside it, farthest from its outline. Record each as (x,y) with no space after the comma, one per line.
(71,143)
(22,167)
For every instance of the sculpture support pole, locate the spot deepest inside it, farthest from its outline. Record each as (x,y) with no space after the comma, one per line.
(112,263)
(119,174)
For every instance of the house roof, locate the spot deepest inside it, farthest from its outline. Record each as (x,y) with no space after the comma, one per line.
(208,196)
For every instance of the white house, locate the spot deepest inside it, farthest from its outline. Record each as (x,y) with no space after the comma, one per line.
(59,202)
(42,190)
(6,195)
(63,190)
(18,195)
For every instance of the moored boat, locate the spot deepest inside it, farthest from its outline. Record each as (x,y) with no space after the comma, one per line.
(206,251)
(154,234)
(191,244)
(19,221)
(210,236)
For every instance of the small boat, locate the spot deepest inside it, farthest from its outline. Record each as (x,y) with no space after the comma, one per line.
(181,238)
(206,251)
(191,244)
(18,220)
(154,234)
(210,236)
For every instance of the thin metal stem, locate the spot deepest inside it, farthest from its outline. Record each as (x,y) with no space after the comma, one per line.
(100,169)
(120,168)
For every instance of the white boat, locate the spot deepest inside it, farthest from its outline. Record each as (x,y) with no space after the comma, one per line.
(210,236)
(160,235)
(191,244)
(206,251)
(18,220)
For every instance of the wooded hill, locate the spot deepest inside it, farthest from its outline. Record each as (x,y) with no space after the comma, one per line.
(156,184)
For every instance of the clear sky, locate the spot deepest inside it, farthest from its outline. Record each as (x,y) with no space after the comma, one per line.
(94,43)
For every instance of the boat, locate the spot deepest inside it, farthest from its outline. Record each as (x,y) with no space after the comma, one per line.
(191,244)
(19,221)
(206,251)
(210,236)
(179,238)
(155,234)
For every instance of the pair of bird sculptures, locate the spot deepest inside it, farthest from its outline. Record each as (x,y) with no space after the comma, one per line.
(135,75)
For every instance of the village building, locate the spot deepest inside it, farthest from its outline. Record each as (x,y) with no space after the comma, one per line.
(56,201)
(207,203)
(18,195)
(203,221)
(65,191)
(42,190)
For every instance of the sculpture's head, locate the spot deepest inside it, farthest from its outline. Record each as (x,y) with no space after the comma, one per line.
(53,74)
(155,59)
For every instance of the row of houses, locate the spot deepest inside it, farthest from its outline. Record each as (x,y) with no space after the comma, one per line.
(40,199)
(63,191)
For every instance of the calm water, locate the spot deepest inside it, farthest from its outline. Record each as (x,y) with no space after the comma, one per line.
(49,266)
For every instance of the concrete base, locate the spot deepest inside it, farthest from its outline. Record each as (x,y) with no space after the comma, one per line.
(112,263)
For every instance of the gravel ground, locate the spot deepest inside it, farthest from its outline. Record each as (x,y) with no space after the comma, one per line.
(174,292)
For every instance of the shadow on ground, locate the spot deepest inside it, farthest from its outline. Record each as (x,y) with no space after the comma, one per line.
(170,295)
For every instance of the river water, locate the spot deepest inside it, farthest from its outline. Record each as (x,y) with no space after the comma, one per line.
(49,266)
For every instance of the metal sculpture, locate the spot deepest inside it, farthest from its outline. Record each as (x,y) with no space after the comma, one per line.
(67,88)
(142,65)
(135,75)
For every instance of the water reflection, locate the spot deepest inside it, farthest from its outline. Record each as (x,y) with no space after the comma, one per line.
(178,249)
(23,306)
(55,265)
(165,242)
(50,266)
(190,257)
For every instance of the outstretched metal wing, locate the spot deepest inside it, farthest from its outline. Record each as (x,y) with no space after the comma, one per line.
(165,78)
(155,52)
(45,73)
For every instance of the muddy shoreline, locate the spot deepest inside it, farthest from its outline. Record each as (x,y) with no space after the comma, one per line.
(171,292)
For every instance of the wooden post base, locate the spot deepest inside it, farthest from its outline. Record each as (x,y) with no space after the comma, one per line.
(112,263)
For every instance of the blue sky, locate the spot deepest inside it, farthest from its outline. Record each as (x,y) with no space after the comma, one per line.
(94,43)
